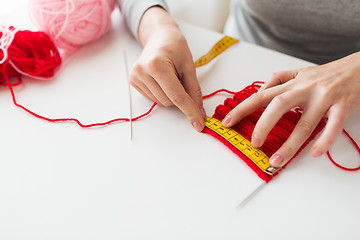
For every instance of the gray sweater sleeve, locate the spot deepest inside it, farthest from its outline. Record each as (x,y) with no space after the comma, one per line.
(133,11)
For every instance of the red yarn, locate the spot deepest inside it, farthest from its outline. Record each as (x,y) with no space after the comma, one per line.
(276,137)
(9,70)
(218,91)
(72,119)
(33,54)
(357,148)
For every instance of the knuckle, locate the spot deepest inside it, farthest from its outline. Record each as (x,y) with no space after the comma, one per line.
(178,99)
(281,99)
(137,68)
(300,76)
(133,80)
(189,70)
(258,96)
(288,151)
(156,63)
(306,73)
(294,73)
(338,120)
(135,74)
(273,75)
(260,129)
(305,126)
(166,103)
(197,93)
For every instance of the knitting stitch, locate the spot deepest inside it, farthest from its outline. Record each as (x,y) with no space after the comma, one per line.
(276,137)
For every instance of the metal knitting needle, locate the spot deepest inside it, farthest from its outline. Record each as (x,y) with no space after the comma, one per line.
(250,196)
(129,89)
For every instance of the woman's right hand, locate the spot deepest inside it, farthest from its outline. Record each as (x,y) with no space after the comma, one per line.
(165,71)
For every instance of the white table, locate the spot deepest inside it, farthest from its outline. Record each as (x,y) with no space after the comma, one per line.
(58,181)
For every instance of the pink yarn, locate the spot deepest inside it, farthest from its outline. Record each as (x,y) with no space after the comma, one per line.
(72,24)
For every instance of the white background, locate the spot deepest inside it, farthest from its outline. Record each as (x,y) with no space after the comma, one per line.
(6,6)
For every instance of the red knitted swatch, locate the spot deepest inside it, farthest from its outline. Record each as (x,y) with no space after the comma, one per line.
(275,139)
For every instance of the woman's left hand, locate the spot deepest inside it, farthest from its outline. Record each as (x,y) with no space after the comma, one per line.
(331,90)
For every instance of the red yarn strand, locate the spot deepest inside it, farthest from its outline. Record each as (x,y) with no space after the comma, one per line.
(69,119)
(218,91)
(357,148)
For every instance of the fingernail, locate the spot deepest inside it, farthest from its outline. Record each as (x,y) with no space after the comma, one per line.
(276,160)
(198,126)
(316,152)
(255,141)
(226,120)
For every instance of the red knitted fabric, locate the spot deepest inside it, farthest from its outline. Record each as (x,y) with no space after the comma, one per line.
(275,139)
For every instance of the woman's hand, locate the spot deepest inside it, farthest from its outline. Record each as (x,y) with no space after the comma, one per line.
(331,90)
(165,71)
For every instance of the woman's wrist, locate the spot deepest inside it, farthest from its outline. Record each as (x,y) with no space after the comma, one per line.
(154,21)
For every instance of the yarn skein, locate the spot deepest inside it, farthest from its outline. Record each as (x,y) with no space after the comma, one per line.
(72,24)
(27,53)
(7,35)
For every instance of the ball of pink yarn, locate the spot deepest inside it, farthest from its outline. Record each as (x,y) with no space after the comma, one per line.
(72,23)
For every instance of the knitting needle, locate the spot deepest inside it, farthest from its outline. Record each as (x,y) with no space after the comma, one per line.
(250,196)
(129,89)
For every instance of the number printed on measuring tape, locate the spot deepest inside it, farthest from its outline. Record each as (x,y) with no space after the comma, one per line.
(258,157)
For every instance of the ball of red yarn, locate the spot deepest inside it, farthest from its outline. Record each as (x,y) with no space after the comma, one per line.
(34,54)
(29,53)
(6,38)
(6,69)
(72,23)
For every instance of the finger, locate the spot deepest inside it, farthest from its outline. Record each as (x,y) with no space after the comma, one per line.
(136,83)
(192,87)
(137,73)
(178,96)
(251,104)
(273,112)
(300,134)
(279,78)
(143,90)
(149,87)
(155,89)
(333,127)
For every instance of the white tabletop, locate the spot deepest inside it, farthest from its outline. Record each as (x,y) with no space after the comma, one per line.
(59,181)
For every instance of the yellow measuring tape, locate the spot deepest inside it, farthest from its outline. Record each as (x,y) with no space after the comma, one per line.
(218,48)
(258,157)
(242,144)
